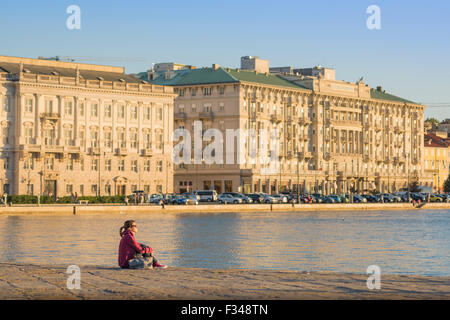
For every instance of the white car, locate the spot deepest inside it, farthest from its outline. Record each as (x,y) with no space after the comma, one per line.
(228,198)
(281,198)
(267,198)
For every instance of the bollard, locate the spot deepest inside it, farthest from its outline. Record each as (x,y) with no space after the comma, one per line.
(74,210)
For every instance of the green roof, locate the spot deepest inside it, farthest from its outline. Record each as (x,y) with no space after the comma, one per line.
(220,75)
(382,95)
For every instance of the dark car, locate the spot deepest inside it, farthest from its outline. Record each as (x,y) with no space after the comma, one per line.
(257,198)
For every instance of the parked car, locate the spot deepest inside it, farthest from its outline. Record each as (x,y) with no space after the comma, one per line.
(191,194)
(256,198)
(358,199)
(207,195)
(327,199)
(186,200)
(171,198)
(268,198)
(226,198)
(156,198)
(244,198)
(436,198)
(336,198)
(281,198)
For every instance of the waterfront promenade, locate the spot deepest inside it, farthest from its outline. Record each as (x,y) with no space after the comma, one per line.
(32,282)
(207,208)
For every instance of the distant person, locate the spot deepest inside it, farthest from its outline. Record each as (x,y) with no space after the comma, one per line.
(129,248)
(125,200)
(76,198)
(73,197)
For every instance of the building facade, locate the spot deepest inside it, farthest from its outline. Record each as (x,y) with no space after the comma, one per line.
(86,129)
(436,159)
(334,136)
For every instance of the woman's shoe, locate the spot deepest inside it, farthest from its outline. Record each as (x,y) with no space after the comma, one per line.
(158,265)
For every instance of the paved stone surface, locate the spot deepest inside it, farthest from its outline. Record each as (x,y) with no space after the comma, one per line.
(19,281)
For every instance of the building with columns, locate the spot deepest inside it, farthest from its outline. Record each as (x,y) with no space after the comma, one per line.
(436,159)
(334,135)
(86,129)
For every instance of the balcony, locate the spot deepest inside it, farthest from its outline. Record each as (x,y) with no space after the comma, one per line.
(50,116)
(304,121)
(121,151)
(206,115)
(94,151)
(72,149)
(181,116)
(147,152)
(275,118)
(54,149)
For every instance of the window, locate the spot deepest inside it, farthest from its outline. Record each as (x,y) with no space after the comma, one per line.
(69,188)
(147,113)
(121,165)
(121,139)
(5,103)
(82,189)
(207,91)
(108,139)
(181,92)
(134,112)
(148,140)
(94,110)
(50,163)
(121,112)
(160,114)
(49,106)
(68,108)
(29,163)
(28,135)
(221,107)
(82,137)
(147,165)
(70,164)
(82,164)
(221,90)
(68,137)
(108,165)
(193,92)
(133,139)
(159,140)
(193,108)
(94,166)
(94,189)
(48,136)
(159,165)
(81,109)
(30,189)
(108,189)
(108,111)
(94,138)
(29,105)
(134,166)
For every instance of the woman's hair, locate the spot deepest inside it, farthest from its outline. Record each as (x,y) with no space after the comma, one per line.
(127,225)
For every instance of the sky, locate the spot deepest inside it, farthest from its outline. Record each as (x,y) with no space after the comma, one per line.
(408,56)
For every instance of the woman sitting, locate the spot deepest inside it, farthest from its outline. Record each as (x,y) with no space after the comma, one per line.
(129,248)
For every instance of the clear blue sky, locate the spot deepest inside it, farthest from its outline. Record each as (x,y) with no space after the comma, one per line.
(409,56)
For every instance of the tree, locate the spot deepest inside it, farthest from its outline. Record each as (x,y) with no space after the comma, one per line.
(432,120)
(447,184)
(414,186)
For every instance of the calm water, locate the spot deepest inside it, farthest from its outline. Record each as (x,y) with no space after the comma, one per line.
(410,242)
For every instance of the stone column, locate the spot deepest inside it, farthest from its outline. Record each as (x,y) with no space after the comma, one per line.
(37,122)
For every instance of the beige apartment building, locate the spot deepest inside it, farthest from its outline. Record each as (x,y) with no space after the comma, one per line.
(334,135)
(86,129)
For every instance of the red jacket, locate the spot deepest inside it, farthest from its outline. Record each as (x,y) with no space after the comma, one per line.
(128,248)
